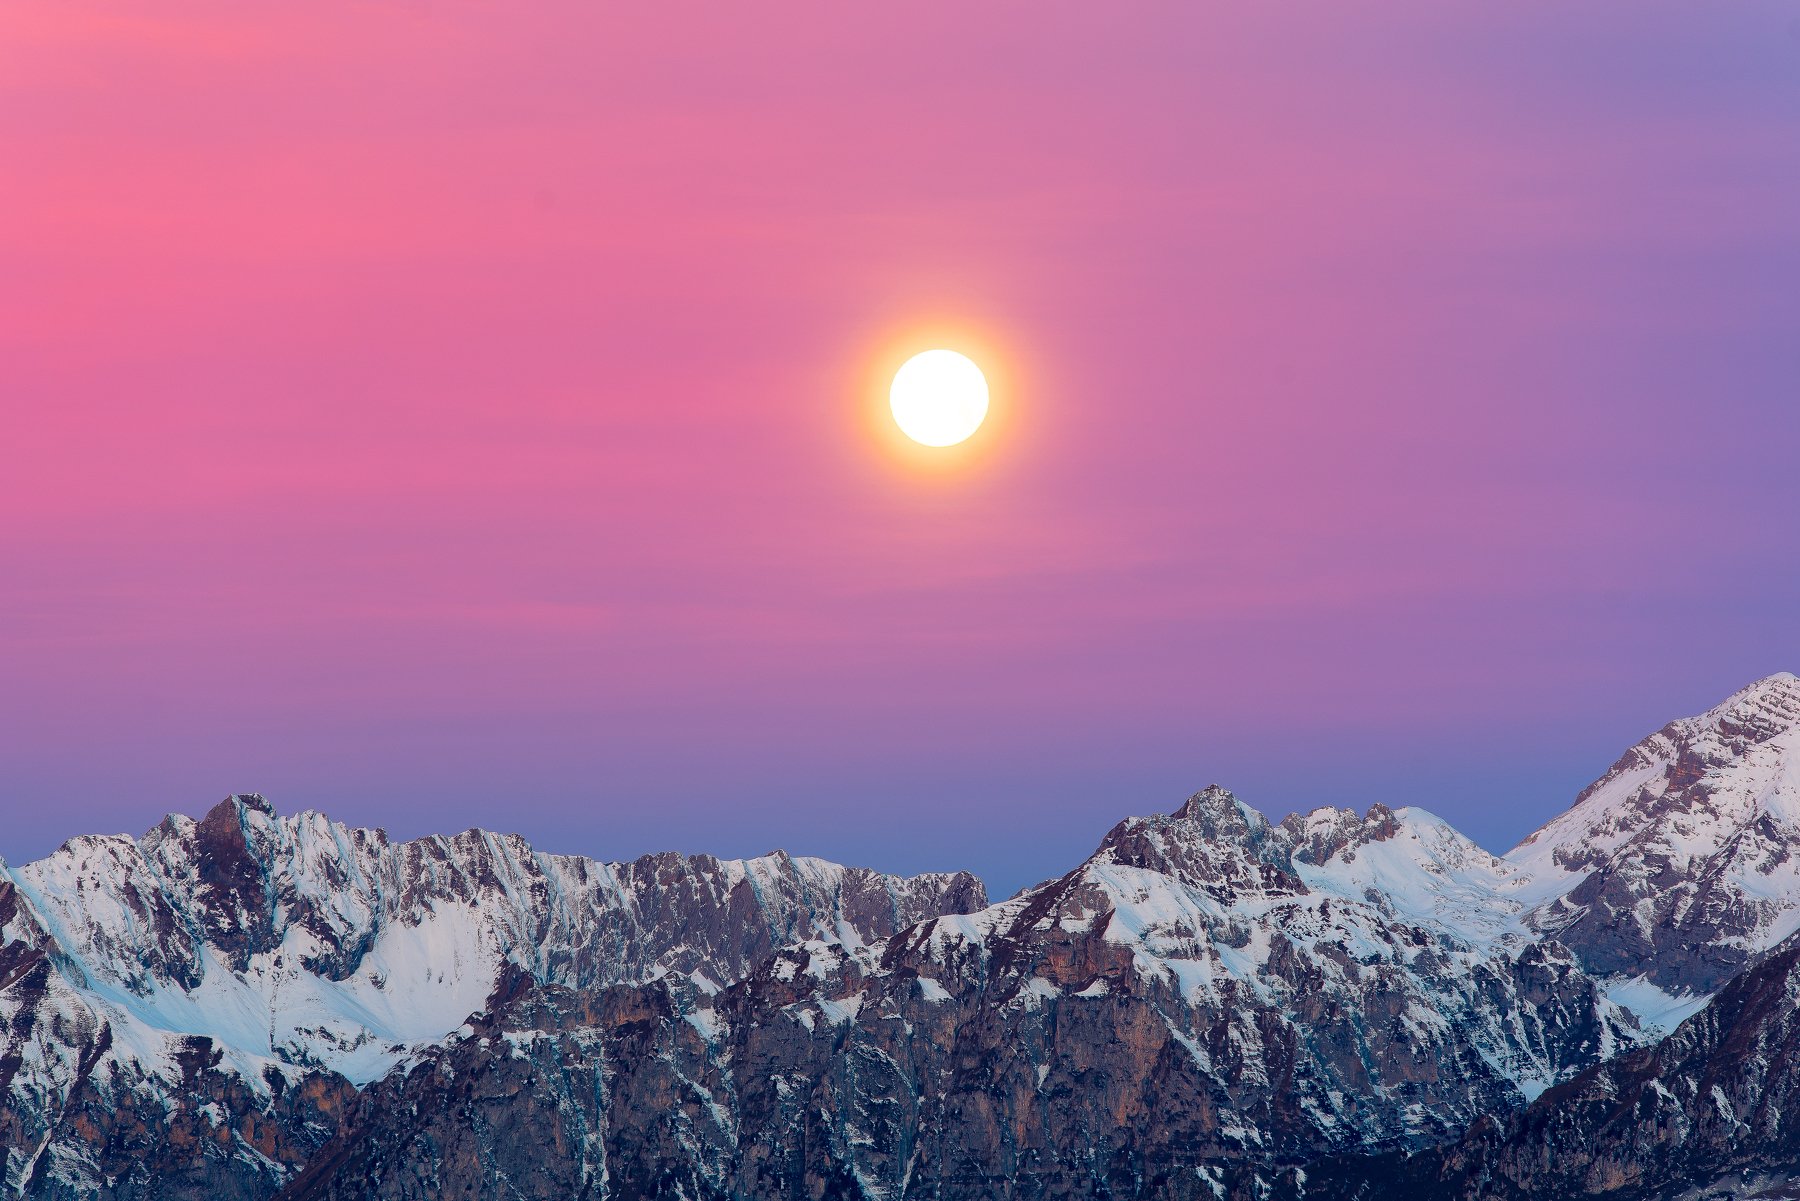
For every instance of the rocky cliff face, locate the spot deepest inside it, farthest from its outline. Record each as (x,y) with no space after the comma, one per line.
(247,972)
(1711,1112)
(1210,1005)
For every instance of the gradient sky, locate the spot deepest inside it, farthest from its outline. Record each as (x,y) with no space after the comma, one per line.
(445,413)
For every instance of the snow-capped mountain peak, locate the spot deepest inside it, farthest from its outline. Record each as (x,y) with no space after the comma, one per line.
(1748,739)
(1214,842)
(1682,862)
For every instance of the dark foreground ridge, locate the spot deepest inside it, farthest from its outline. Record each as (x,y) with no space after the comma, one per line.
(1705,1113)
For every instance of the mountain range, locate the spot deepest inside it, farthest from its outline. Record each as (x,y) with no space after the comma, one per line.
(1211,1005)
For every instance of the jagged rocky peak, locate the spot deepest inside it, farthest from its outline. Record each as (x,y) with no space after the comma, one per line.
(1682,862)
(1325,833)
(1744,741)
(246,802)
(1764,710)
(1217,808)
(1216,839)
(1213,840)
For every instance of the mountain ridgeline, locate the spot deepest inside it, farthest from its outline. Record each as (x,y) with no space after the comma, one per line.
(1211,1005)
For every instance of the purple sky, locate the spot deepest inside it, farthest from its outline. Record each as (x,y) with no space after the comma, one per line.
(452,413)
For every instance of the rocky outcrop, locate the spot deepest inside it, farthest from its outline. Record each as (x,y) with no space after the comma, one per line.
(1712,1111)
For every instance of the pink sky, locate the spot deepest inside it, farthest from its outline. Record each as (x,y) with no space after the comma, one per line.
(454,413)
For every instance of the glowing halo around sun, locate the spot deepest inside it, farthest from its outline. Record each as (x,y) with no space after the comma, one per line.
(939,398)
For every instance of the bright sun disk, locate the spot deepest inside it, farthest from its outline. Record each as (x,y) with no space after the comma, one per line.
(939,397)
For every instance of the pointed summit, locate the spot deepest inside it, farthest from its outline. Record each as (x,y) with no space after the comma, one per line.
(253,800)
(1214,805)
(1682,862)
(1213,840)
(1766,709)
(1660,769)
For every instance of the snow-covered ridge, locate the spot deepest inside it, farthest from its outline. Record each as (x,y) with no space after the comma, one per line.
(1410,864)
(295,940)
(1749,738)
(1678,866)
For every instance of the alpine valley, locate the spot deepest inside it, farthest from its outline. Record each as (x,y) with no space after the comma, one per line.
(1211,1005)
